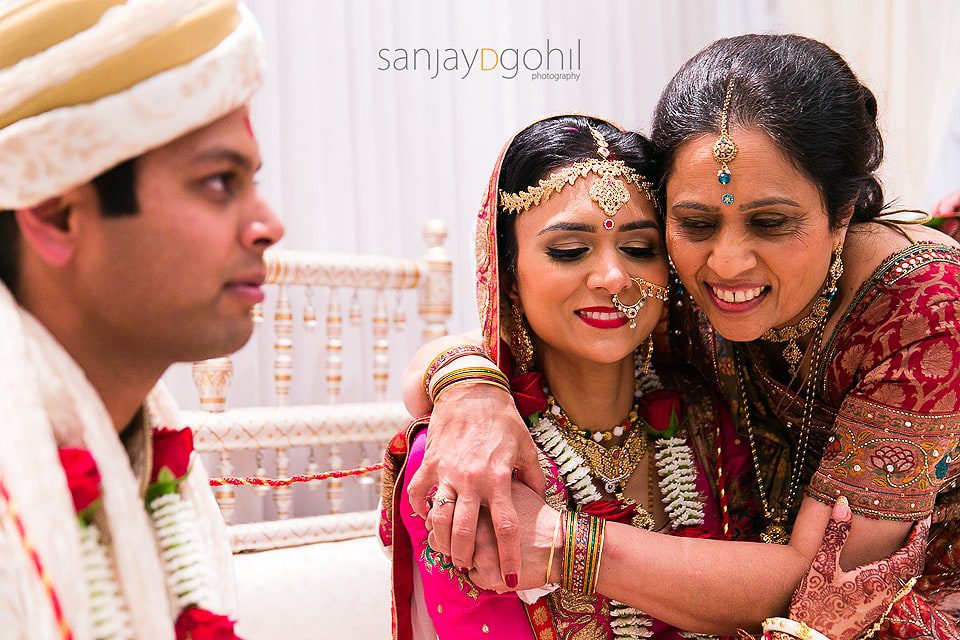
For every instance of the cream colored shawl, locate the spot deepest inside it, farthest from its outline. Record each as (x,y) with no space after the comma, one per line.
(46,402)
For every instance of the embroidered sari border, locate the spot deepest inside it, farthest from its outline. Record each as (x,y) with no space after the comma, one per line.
(889,463)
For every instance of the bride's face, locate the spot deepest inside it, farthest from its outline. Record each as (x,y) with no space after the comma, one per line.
(569,267)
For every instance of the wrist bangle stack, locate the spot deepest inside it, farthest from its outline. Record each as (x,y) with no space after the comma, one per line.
(553,545)
(473,375)
(445,358)
(582,548)
(784,628)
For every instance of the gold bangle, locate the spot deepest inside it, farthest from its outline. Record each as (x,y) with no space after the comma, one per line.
(583,546)
(457,383)
(469,374)
(897,598)
(446,357)
(553,546)
(465,377)
(792,628)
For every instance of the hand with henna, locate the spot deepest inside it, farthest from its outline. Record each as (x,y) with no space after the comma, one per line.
(844,604)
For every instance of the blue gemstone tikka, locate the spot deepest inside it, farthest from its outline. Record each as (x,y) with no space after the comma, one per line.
(723,176)
(727,198)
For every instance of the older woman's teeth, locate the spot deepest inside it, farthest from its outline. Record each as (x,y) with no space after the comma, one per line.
(737,296)
(597,315)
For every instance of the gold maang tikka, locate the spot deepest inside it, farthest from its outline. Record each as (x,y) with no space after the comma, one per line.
(725,149)
(608,190)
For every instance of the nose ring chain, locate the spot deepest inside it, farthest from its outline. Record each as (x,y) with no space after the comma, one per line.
(647,290)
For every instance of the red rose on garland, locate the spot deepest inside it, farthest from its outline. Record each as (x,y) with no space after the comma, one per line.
(83,478)
(200,624)
(663,410)
(527,390)
(612,510)
(171,451)
(692,532)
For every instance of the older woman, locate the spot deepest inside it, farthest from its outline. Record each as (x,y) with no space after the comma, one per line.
(831,328)
(568,236)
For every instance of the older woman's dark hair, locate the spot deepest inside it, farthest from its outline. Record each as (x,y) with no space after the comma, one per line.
(802,94)
(548,145)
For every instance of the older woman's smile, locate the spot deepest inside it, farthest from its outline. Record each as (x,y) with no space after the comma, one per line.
(736,298)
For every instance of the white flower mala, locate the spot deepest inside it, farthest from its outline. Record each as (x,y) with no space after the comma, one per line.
(188,578)
(675,466)
(108,612)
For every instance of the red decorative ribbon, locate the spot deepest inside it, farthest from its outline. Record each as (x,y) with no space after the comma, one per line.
(286,482)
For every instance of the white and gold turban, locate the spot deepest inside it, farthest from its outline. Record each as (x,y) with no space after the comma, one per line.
(87,84)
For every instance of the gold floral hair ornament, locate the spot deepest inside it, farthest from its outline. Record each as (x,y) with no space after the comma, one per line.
(608,191)
(725,149)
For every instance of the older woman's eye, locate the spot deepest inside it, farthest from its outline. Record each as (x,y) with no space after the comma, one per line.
(696,223)
(566,254)
(769,222)
(696,228)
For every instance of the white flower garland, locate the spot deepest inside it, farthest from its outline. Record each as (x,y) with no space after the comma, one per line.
(188,577)
(682,502)
(108,611)
(678,482)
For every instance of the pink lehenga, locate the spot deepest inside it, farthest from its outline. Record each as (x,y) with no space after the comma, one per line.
(689,431)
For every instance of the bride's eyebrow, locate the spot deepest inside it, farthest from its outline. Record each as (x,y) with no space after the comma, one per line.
(568,226)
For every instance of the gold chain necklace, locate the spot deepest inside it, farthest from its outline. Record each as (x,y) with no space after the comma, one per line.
(776,531)
(614,466)
(821,307)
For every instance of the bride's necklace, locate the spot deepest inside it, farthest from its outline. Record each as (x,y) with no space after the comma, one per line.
(613,466)
(675,467)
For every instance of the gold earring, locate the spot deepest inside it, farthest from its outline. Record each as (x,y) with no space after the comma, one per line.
(521,346)
(648,359)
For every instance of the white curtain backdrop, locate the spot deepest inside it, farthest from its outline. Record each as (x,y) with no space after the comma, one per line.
(356,158)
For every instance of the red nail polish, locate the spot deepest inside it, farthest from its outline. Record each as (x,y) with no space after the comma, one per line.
(511,580)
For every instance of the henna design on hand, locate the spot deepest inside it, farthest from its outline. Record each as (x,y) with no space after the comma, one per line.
(843,604)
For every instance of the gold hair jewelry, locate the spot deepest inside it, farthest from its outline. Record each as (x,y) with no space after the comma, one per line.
(725,149)
(608,191)
(821,307)
(647,290)
(521,346)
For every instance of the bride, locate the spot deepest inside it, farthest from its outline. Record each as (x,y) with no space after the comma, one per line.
(570,284)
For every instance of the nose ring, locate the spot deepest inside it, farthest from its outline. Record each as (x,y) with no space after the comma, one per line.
(647,290)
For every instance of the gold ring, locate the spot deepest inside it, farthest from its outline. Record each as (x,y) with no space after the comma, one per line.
(442,500)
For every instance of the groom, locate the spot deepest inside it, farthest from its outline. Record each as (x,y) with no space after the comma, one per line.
(131,237)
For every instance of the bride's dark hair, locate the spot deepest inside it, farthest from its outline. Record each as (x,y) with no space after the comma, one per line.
(548,145)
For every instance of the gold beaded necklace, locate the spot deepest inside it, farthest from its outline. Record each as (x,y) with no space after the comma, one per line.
(821,307)
(616,465)
(776,531)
